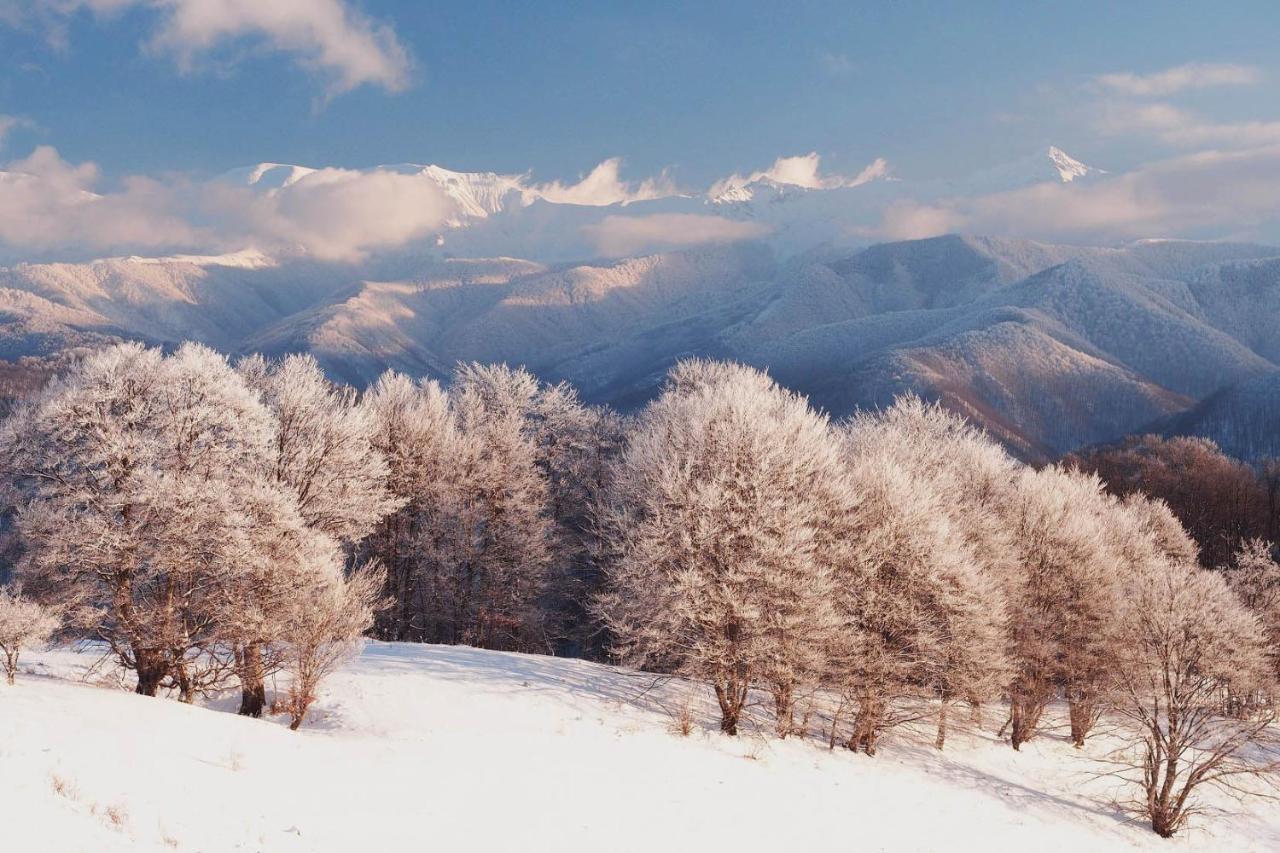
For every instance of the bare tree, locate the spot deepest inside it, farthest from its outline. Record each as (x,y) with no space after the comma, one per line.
(323,629)
(1188,644)
(1222,501)
(24,624)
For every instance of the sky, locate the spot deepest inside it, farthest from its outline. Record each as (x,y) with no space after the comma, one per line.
(135,96)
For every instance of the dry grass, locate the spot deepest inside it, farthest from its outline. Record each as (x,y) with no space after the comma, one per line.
(64,788)
(681,719)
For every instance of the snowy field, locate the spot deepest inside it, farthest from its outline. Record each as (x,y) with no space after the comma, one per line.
(445,748)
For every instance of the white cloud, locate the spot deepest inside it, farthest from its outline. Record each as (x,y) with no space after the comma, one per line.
(327,36)
(335,214)
(1208,194)
(603,186)
(52,208)
(804,170)
(1182,78)
(1176,126)
(618,236)
(47,203)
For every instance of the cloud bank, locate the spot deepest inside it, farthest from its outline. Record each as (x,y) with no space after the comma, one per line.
(1207,194)
(50,205)
(618,236)
(1176,126)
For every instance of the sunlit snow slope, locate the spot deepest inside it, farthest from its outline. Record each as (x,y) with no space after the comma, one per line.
(428,747)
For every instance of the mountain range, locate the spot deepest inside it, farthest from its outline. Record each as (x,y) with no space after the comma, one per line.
(1049,347)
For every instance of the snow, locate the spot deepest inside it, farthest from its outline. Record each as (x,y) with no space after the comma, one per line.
(248,259)
(1068,167)
(455,748)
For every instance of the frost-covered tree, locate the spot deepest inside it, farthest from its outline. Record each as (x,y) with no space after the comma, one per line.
(24,624)
(126,470)
(966,477)
(468,556)
(1254,576)
(920,617)
(417,433)
(322,447)
(153,509)
(322,452)
(1186,645)
(279,558)
(719,538)
(576,445)
(1063,608)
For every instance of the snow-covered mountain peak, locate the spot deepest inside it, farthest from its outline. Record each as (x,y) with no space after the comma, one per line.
(478,194)
(1068,167)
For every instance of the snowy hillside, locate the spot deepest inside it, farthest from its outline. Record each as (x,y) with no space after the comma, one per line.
(459,748)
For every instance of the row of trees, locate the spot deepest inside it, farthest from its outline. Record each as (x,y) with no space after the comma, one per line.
(214,524)
(754,544)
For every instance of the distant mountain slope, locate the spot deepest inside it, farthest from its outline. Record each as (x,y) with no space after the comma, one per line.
(1243,419)
(1050,347)
(215,300)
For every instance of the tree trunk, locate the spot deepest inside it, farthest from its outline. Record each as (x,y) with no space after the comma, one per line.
(784,706)
(941,740)
(253,690)
(1080,711)
(866,726)
(732,696)
(1025,716)
(186,690)
(151,667)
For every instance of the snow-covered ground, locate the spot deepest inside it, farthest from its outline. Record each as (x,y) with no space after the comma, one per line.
(440,748)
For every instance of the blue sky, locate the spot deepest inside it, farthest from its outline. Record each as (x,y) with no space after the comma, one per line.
(116,114)
(704,88)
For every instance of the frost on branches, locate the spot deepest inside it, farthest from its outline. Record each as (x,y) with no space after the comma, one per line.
(213,526)
(153,511)
(24,624)
(494,545)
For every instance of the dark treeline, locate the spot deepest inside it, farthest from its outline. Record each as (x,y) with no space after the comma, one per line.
(1222,501)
